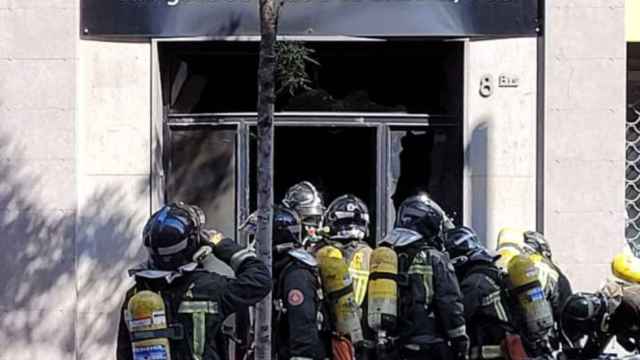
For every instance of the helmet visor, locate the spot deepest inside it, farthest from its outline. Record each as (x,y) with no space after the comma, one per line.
(399,237)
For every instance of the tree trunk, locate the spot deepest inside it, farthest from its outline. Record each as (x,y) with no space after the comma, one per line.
(266,105)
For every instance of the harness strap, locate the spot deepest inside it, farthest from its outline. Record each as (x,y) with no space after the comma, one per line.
(486,352)
(198,310)
(525,287)
(336,295)
(173,332)
(383,275)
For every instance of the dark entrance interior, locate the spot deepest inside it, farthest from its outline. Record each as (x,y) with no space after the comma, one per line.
(391,76)
(382,120)
(337,160)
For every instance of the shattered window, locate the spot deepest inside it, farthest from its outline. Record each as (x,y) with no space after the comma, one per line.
(425,159)
(202,171)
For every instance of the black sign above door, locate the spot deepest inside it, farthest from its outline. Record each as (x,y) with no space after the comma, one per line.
(370,18)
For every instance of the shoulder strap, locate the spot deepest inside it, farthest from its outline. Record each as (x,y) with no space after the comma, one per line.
(492,273)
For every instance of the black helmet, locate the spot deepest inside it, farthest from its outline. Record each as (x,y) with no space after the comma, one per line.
(306,201)
(582,314)
(461,241)
(172,235)
(538,243)
(421,214)
(347,218)
(286,228)
(463,245)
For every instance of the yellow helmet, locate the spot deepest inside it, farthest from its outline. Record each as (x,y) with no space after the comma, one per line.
(626,267)
(509,235)
(509,244)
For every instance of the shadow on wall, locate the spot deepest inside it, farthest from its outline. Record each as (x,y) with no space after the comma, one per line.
(477,162)
(63,277)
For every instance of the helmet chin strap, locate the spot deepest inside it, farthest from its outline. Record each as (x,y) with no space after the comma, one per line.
(284,247)
(202,254)
(352,234)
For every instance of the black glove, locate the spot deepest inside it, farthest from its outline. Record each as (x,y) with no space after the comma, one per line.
(460,347)
(223,248)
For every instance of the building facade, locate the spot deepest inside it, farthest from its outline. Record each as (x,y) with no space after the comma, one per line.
(97,132)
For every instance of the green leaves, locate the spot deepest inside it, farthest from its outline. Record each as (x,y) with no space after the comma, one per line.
(291,71)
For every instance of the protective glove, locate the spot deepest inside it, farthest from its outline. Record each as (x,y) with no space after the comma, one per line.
(226,249)
(223,248)
(460,347)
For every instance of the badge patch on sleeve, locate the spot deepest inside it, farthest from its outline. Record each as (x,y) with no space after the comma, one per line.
(295,297)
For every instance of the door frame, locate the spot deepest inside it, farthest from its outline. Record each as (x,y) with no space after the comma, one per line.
(382,122)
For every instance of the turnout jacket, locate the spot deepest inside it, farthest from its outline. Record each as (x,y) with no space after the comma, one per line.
(431,309)
(299,333)
(485,308)
(199,301)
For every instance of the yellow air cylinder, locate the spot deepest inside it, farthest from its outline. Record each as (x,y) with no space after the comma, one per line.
(506,254)
(338,286)
(145,314)
(547,274)
(359,270)
(383,290)
(525,286)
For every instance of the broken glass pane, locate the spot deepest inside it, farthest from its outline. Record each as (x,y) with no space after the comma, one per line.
(202,171)
(429,160)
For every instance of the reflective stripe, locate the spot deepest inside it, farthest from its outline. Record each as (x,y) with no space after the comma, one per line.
(239,257)
(457,332)
(491,298)
(426,271)
(486,352)
(198,310)
(495,299)
(300,358)
(500,310)
(412,347)
(173,249)
(190,307)
(198,335)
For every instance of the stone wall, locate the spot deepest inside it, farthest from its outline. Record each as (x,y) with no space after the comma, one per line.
(500,136)
(584,136)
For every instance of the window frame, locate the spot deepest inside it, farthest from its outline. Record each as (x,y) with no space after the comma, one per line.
(384,123)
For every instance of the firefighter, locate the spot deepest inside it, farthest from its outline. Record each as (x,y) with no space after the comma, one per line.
(300,330)
(347,228)
(176,308)
(556,285)
(431,320)
(305,199)
(347,222)
(590,320)
(485,303)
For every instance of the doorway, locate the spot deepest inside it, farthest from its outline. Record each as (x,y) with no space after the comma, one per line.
(382,121)
(337,160)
